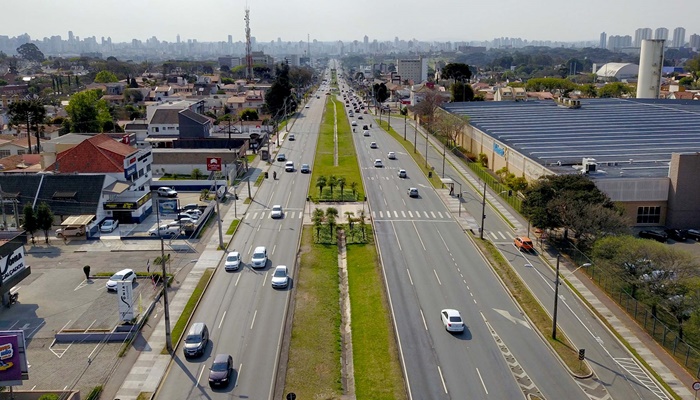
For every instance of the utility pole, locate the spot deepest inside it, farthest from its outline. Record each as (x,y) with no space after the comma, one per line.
(389,119)
(483,212)
(556,298)
(444,151)
(218,216)
(404,126)
(426,148)
(415,137)
(168,339)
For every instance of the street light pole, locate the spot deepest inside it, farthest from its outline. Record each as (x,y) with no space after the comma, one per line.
(168,338)
(426,149)
(404,126)
(389,119)
(556,297)
(415,137)
(444,151)
(483,212)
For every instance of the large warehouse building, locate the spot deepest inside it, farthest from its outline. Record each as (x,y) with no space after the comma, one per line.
(643,153)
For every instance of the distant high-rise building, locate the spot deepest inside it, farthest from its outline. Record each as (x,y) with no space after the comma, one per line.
(641,34)
(415,70)
(366,41)
(695,41)
(616,42)
(678,37)
(70,36)
(230,39)
(661,33)
(178,38)
(603,40)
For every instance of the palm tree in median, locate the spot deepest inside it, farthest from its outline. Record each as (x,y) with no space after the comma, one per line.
(321,183)
(317,218)
(332,182)
(331,216)
(353,186)
(341,184)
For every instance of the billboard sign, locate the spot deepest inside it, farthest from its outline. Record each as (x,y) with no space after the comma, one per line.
(12,263)
(167,206)
(13,358)
(126,301)
(213,164)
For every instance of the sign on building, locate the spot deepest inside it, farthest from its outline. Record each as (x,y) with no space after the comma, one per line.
(12,264)
(126,301)
(13,358)
(213,164)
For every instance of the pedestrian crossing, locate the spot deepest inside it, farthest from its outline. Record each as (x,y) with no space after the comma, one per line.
(410,215)
(288,214)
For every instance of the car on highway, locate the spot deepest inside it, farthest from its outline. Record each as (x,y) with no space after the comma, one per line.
(523,243)
(452,320)
(679,235)
(365,127)
(658,236)
(306,106)
(291,136)
(412,192)
(276,212)
(166,192)
(365,132)
(124,275)
(354,123)
(109,225)
(220,371)
(373,145)
(233,261)
(289,166)
(402,173)
(280,279)
(378,163)
(196,340)
(359,117)
(305,169)
(259,259)
(391,155)
(281,157)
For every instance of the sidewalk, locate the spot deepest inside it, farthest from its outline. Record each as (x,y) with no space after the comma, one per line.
(150,366)
(672,373)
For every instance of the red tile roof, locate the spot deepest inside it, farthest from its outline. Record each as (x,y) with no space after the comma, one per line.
(99,154)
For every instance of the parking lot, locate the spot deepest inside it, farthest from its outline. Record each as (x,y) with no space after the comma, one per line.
(56,296)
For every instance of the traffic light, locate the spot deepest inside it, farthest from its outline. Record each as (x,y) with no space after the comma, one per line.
(267,175)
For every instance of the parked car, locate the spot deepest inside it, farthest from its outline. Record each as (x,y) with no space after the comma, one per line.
(452,320)
(658,236)
(305,169)
(180,216)
(279,277)
(679,235)
(233,261)
(194,214)
(523,243)
(220,371)
(109,225)
(191,206)
(166,192)
(365,132)
(412,192)
(124,275)
(693,234)
(71,230)
(165,230)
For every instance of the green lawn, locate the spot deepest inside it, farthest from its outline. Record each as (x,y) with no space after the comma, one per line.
(347,158)
(232,227)
(313,369)
(375,355)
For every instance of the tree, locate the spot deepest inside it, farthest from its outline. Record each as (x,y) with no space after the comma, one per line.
(588,90)
(28,112)
(31,224)
(88,112)
(320,183)
(426,108)
(249,114)
(331,217)
(362,217)
(106,77)
(450,126)
(44,217)
(462,91)
(281,89)
(341,183)
(353,187)
(332,183)
(318,217)
(380,92)
(614,89)
(196,173)
(456,71)
(30,52)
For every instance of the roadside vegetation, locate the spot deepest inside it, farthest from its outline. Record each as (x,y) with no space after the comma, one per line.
(232,228)
(181,323)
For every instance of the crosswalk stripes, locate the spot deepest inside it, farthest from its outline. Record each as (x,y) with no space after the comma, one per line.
(633,368)
(433,214)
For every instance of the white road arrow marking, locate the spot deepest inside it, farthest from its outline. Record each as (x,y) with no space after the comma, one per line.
(512,319)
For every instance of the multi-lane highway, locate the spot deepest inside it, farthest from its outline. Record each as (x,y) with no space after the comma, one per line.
(244,314)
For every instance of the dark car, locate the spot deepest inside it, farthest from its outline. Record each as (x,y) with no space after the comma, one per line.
(658,236)
(679,235)
(220,371)
(693,234)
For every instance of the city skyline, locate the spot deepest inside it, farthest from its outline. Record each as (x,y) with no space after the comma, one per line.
(327,21)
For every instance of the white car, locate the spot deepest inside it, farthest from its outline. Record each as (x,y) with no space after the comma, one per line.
(233,261)
(354,123)
(391,155)
(166,192)
(194,214)
(413,192)
(165,230)
(452,320)
(259,259)
(109,225)
(378,163)
(373,145)
(365,132)
(402,173)
(279,277)
(276,212)
(124,275)
(289,166)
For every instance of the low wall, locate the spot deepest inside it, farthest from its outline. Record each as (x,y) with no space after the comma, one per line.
(35,394)
(189,185)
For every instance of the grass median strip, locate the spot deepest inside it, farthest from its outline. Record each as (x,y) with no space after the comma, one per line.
(533,309)
(181,323)
(375,355)
(233,226)
(313,369)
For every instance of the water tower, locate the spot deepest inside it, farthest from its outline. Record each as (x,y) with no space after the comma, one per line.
(651,60)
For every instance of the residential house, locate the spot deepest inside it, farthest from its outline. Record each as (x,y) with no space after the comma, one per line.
(253,99)
(509,93)
(21,164)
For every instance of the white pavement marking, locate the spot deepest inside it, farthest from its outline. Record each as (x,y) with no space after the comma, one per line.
(506,314)
(238,376)
(255,215)
(396,215)
(442,379)
(374,215)
(443,242)
(81,285)
(238,279)
(502,235)
(222,319)
(385,203)
(419,238)
(403,214)
(493,234)
(396,235)
(409,276)
(254,315)
(433,214)
(199,377)
(262,215)
(273,249)
(381,214)
(440,214)
(482,381)
(437,277)
(426,214)
(410,215)
(425,325)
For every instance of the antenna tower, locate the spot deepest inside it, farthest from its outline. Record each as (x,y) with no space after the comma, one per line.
(248,50)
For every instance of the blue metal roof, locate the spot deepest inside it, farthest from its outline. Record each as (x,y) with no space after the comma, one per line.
(616,132)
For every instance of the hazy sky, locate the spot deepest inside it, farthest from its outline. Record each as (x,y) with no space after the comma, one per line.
(326,20)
